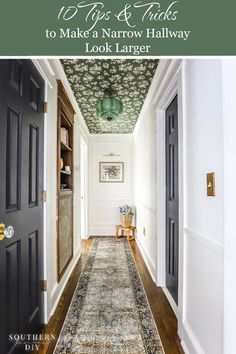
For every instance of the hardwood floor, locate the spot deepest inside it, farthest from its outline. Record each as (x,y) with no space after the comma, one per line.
(163,314)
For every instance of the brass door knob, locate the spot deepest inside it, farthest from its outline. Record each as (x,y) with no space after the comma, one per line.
(2,232)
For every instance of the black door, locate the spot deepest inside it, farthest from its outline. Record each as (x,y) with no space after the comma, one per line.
(172,200)
(21,182)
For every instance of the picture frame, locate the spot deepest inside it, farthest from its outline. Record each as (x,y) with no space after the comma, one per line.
(111,172)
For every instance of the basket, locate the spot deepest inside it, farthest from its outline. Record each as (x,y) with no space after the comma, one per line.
(126,220)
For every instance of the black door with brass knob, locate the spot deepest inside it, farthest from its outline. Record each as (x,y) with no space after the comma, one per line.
(21,180)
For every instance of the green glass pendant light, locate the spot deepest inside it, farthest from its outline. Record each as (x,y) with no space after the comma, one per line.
(109,107)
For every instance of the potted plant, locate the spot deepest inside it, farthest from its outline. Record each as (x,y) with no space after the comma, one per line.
(126,214)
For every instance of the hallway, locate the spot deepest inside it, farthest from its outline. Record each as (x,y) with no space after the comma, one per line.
(162,312)
(91,148)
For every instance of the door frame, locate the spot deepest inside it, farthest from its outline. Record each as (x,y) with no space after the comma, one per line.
(172,80)
(47,86)
(84,146)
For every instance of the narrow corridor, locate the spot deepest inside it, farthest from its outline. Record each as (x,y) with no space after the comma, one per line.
(162,312)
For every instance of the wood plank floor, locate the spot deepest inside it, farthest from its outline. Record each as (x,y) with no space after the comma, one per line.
(163,314)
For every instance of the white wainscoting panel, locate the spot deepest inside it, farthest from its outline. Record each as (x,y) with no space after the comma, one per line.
(203,294)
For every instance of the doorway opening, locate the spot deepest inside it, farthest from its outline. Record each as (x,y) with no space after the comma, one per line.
(171,88)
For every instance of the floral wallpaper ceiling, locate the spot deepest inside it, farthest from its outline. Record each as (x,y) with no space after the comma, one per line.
(130,78)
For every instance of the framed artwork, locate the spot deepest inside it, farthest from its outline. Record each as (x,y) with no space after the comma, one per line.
(111,172)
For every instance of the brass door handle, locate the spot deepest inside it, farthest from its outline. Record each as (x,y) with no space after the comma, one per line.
(2,231)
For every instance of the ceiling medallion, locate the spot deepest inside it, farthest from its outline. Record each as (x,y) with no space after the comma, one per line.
(109,107)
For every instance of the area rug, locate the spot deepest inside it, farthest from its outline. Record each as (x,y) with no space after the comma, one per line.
(109,312)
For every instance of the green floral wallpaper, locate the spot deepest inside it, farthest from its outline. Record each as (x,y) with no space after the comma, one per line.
(130,78)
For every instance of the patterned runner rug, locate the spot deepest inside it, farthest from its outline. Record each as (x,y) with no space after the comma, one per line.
(109,312)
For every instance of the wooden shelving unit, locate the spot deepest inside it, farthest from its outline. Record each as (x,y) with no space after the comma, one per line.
(64,182)
(65,147)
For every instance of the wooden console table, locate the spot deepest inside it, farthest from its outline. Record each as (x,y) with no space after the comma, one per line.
(128,229)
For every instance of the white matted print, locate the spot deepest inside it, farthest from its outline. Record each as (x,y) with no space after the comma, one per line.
(111,172)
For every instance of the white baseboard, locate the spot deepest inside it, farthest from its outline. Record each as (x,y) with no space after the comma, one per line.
(53,308)
(189,342)
(171,301)
(102,231)
(147,259)
(185,349)
(97,234)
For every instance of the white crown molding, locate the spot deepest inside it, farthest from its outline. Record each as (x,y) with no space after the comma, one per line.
(167,73)
(60,73)
(48,65)
(167,70)
(113,136)
(44,70)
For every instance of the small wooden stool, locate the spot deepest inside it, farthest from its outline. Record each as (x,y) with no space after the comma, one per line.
(127,229)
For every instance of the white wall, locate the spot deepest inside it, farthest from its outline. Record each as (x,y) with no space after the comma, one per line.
(52,70)
(145,184)
(204,146)
(105,198)
(203,306)
(202,233)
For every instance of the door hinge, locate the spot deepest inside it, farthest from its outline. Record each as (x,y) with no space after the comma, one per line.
(45,107)
(44,196)
(44,285)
